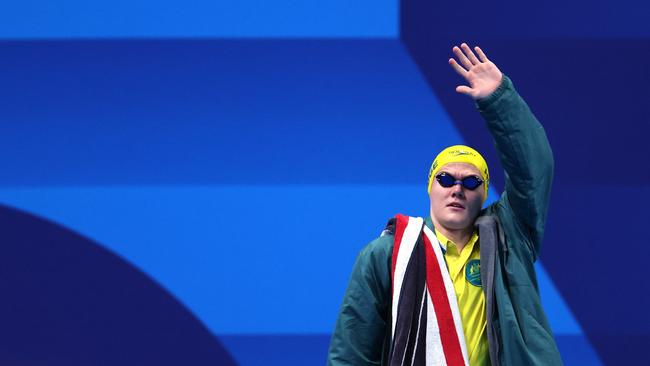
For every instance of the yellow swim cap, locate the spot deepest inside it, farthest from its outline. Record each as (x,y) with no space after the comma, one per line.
(460,154)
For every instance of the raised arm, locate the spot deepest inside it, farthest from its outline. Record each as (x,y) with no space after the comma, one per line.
(519,139)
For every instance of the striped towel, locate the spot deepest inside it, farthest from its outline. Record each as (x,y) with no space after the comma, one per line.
(426,326)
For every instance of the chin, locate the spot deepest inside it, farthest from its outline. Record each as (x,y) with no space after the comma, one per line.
(456,224)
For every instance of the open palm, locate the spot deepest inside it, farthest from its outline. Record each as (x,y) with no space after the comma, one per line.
(482,75)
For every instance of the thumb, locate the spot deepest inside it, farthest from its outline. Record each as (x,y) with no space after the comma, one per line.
(463,89)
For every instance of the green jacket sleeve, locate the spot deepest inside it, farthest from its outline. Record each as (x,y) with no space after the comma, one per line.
(363,318)
(527,159)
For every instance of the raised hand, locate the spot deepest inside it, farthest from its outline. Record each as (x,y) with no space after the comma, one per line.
(483,76)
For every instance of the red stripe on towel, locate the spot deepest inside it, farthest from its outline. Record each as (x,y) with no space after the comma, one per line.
(438,293)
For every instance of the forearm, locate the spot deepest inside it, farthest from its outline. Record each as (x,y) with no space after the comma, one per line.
(525,154)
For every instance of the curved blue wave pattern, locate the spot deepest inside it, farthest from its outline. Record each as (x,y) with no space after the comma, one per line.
(68,301)
(243,176)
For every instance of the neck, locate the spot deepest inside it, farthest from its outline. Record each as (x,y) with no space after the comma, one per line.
(460,237)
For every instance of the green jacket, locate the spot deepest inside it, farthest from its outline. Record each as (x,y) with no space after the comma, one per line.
(510,232)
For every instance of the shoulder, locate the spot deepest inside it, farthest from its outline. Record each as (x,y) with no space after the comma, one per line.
(379,250)
(506,220)
(382,246)
(512,232)
(370,278)
(501,211)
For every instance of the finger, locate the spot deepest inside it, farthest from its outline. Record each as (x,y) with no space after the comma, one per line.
(462,58)
(470,55)
(481,55)
(459,69)
(463,89)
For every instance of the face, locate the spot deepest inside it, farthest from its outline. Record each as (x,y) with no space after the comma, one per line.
(456,207)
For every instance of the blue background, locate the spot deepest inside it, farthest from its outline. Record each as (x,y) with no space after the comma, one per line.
(189,183)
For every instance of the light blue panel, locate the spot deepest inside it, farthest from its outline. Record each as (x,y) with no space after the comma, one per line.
(244,259)
(577,351)
(559,315)
(201,18)
(278,350)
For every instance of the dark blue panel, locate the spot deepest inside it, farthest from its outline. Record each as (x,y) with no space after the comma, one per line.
(597,253)
(122,112)
(509,19)
(67,301)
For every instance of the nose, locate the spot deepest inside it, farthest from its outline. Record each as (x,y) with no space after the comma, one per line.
(457,190)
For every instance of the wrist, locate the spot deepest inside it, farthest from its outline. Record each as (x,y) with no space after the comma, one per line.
(487,100)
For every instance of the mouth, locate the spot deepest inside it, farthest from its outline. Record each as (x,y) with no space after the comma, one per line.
(456,205)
